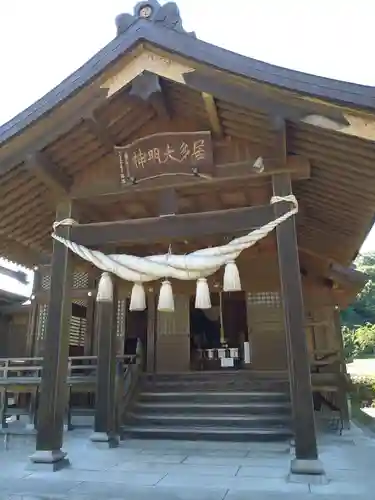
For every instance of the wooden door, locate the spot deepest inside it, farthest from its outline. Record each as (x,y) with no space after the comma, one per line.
(136,328)
(234,318)
(173,338)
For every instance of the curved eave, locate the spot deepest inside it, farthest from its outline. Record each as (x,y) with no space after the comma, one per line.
(337,92)
(11,299)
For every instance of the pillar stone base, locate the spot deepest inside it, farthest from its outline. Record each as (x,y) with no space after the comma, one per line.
(307,471)
(104,440)
(48,460)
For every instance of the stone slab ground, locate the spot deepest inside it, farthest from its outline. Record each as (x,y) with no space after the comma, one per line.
(165,470)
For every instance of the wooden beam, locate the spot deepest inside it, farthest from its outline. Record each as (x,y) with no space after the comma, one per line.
(297,166)
(213,116)
(168,204)
(280,138)
(53,130)
(225,89)
(58,184)
(16,249)
(20,276)
(98,130)
(155,229)
(90,212)
(45,170)
(42,296)
(347,275)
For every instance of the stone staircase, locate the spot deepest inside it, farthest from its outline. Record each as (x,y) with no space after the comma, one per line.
(223,406)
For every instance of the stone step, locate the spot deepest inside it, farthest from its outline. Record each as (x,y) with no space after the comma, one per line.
(226,406)
(205,385)
(207,433)
(215,376)
(253,408)
(238,397)
(226,420)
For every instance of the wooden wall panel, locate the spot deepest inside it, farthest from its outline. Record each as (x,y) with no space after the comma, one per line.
(17,336)
(4,328)
(266,331)
(320,328)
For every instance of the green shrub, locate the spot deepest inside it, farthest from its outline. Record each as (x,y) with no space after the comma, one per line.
(359,341)
(362,388)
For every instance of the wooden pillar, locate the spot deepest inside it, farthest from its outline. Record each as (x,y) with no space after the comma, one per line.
(151,331)
(342,389)
(33,316)
(90,316)
(306,453)
(53,396)
(104,425)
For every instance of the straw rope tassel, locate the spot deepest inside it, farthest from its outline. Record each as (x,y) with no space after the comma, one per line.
(166,300)
(202,295)
(138,298)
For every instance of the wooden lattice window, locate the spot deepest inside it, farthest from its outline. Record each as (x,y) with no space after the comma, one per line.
(80,280)
(121,316)
(46,282)
(268,299)
(77,331)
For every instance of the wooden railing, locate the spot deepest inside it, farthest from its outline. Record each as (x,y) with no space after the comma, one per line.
(328,383)
(20,380)
(132,374)
(29,369)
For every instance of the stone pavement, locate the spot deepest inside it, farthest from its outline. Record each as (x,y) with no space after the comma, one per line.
(165,470)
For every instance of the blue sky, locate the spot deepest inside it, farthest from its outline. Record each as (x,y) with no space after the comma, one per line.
(43,41)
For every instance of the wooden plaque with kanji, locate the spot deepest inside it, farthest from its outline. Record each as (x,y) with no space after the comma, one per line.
(167,153)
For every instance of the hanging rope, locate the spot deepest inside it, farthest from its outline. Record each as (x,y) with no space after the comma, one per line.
(192,266)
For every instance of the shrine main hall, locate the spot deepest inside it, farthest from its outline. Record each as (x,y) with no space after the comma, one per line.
(191,216)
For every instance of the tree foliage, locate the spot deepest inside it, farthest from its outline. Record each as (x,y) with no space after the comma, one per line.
(358,320)
(359,341)
(362,310)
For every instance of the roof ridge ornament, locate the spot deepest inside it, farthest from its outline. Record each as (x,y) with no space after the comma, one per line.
(167,16)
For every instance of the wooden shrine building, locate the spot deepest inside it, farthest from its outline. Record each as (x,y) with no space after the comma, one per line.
(162,144)
(14,316)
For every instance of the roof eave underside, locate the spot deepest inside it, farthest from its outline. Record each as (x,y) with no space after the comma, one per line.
(348,94)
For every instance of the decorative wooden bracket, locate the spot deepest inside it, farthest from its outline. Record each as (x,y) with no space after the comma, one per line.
(149,87)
